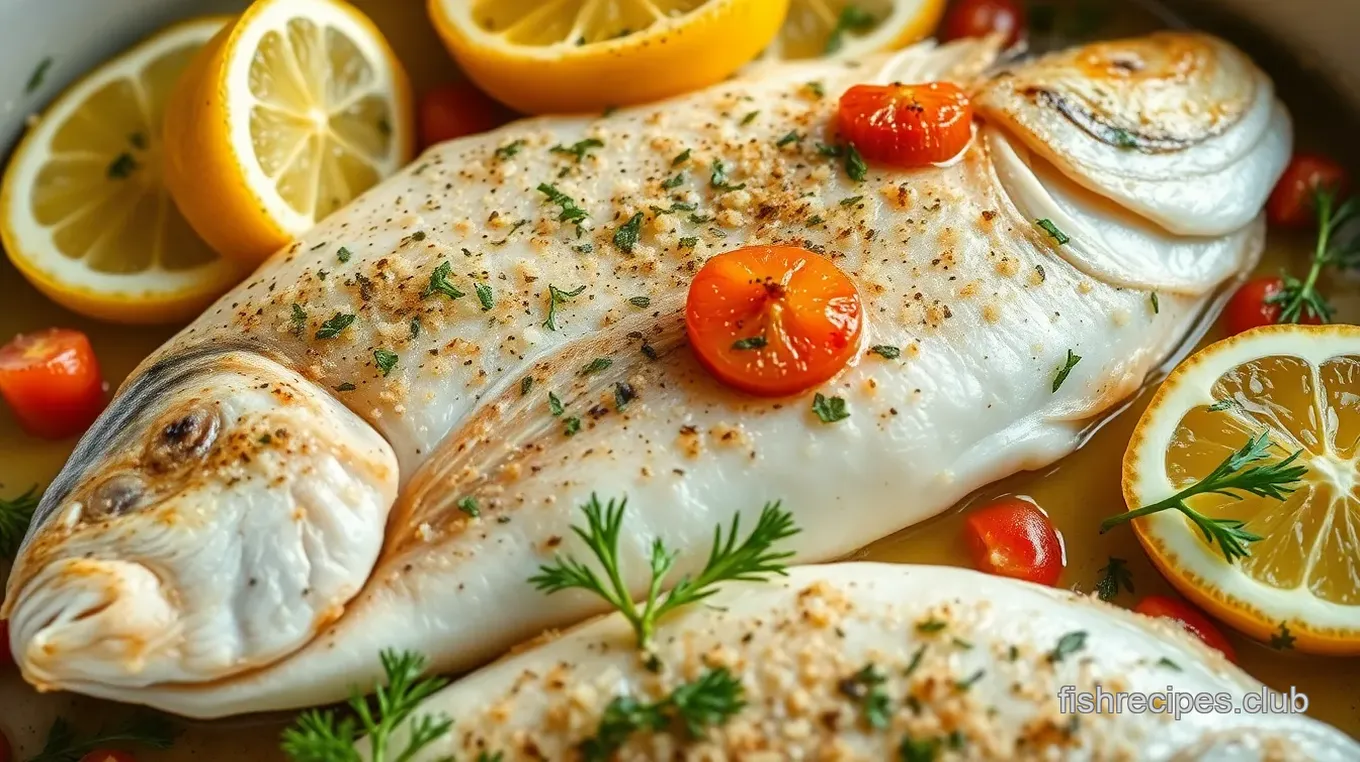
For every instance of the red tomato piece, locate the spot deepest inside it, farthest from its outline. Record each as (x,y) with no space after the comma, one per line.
(456,110)
(1013,537)
(52,383)
(979,18)
(1190,619)
(1250,306)
(108,755)
(906,125)
(773,320)
(1291,202)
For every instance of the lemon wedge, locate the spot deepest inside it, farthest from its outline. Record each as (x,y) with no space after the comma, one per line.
(284,117)
(1299,386)
(572,56)
(86,217)
(852,28)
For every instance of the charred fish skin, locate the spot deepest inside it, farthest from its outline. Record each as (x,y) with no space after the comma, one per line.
(436,315)
(858,660)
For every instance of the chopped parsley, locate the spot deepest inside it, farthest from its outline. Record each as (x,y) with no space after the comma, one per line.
(1113,576)
(751,117)
(35,79)
(792,137)
(596,365)
(814,221)
(750,342)
(675,181)
(1068,365)
(321,245)
(1165,662)
(439,283)
(915,662)
(852,19)
(1053,232)
(709,701)
(1067,645)
(676,206)
(484,296)
(851,201)
(570,211)
(886,351)
(554,404)
(689,242)
(580,149)
(1156,308)
(816,88)
(418,236)
(385,360)
(854,163)
(680,158)
(718,178)
(918,749)
(931,625)
(830,151)
(968,682)
(571,426)
(335,326)
(866,687)
(640,301)
(299,320)
(122,166)
(343,255)
(509,149)
(1123,138)
(525,385)
(468,505)
(829,409)
(557,296)
(415,327)
(627,235)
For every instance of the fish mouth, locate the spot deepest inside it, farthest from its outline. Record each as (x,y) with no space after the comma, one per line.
(217,517)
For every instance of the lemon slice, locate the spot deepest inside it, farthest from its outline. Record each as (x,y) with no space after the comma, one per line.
(571,56)
(1299,586)
(281,119)
(851,28)
(85,215)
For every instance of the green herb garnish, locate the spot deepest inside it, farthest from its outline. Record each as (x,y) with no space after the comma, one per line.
(886,351)
(1274,480)
(718,178)
(754,559)
(628,234)
(1065,370)
(299,320)
(751,117)
(335,326)
(15,516)
(343,255)
(750,342)
(525,385)
(1299,299)
(484,296)
(571,426)
(580,149)
(148,730)
(1067,645)
(709,701)
(554,404)
(468,505)
(689,242)
(385,360)
(680,158)
(1047,226)
(866,688)
(557,296)
(35,79)
(596,365)
(640,301)
(509,149)
(570,212)
(674,182)
(851,201)
(792,137)
(439,283)
(1156,306)
(854,164)
(1113,576)
(829,409)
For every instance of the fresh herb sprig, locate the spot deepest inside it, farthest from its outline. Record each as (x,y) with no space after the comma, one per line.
(754,559)
(322,736)
(1274,480)
(148,730)
(1300,299)
(15,516)
(711,700)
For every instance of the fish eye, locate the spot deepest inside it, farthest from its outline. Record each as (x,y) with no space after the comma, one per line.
(186,437)
(116,496)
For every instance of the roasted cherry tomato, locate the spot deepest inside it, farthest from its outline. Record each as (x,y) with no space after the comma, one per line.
(108,755)
(1291,203)
(458,109)
(1012,537)
(906,125)
(979,18)
(773,320)
(1250,306)
(1190,619)
(51,381)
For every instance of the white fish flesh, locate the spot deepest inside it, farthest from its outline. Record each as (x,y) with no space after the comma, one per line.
(991,668)
(360,447)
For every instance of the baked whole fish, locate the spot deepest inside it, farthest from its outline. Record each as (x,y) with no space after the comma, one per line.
(378,438)
(942,658)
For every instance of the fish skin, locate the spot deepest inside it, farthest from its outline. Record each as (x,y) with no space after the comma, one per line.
(983,304)
(796,643)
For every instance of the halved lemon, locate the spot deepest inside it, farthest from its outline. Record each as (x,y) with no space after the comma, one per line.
(572,56)
(849,28)
(1299,585)
(85,215)
(284,117)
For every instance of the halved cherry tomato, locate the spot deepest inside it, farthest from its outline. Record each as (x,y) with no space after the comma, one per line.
(1012,537)
(1250,306)
(108,755)
(51,381)
(907,125)
(1190,619)
(979,18)
(458,109)
(1291,203)
(773,320)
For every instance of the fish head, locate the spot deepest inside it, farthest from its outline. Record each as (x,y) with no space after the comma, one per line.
(219,513)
